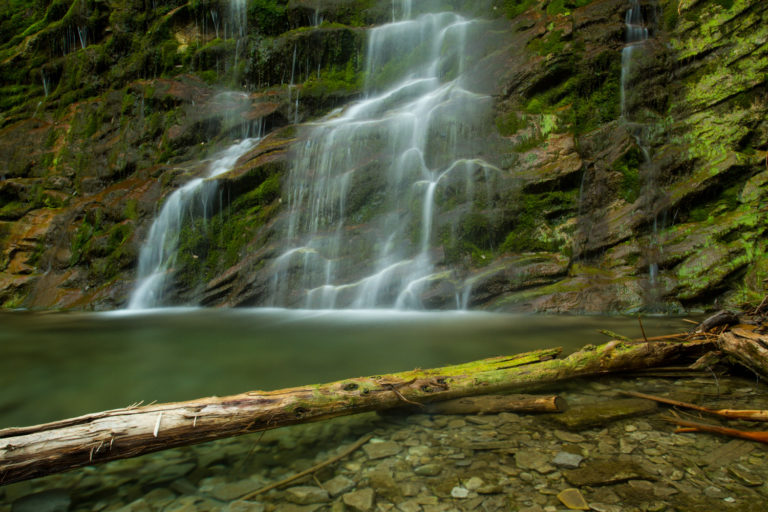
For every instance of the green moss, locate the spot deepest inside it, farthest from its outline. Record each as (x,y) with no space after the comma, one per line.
(510,123)
(535,216)
(332,82)
(550,43)
(514,8)
(629,167)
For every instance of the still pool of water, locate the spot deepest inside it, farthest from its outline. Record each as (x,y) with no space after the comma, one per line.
(54,366)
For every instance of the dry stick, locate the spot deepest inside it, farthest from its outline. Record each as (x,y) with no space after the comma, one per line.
(642,329)
(360,442)
(734,414)
(693,426)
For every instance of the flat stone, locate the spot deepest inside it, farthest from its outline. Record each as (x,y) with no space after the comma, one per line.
(384,485)
(745,476)
(361,500)
(382,449)
(306,495)
(338,485)
(428,470)
(474,483)
(459,492)
(54,500)
(569,437)
(567,460)
(728,453)
(232,490)
(533,459)
(604,472)
(573,499)
(244,506)
(582,417)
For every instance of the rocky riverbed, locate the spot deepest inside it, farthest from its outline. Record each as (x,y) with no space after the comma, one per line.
(625,457)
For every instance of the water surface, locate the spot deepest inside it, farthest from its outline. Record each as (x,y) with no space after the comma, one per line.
(54,366)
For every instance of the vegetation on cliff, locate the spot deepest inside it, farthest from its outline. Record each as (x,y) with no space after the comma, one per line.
(107,106)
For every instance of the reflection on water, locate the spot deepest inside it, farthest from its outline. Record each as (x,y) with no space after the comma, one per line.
(54,366)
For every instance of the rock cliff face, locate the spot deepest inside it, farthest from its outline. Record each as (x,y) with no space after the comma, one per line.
(621,188)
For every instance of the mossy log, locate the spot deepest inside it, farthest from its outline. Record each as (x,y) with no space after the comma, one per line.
(31,452)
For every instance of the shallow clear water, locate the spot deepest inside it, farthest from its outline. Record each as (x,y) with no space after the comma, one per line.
(54,366)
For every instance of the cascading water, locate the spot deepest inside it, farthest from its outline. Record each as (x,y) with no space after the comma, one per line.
(637,36)
(158,254)
(361,191)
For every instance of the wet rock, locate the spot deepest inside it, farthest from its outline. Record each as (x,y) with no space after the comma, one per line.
(245,506)
(567,460)
(361,500)
(600,413)
(533,459)
(745,476)
(573,499)
(474,483)
(338,485)
(306,495)
(382,449)
(384,485)
(569,437)
(604,472)
(54,500)
(428,470)
(231,490)
(459,492)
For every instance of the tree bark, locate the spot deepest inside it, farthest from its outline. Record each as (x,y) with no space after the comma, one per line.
(31,452)
(747,347)
(491,404)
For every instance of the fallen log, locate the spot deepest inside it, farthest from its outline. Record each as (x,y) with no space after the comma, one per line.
(31,452)
(491,404)
(747,347)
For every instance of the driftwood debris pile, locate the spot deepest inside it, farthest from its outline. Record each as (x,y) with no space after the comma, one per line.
(30,452)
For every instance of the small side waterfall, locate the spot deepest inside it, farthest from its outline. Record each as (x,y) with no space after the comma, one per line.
(361,191)
(637,36)
(158,253)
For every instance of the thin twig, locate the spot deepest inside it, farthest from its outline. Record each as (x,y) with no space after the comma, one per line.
(642,329)
(360,442)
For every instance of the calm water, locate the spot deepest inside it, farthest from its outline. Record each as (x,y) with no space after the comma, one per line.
(54,366)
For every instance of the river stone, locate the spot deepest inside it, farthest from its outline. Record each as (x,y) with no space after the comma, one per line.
(382,449)
(229,491)
(428,470)
(533,459)
(338,485)
(474,483)
(306,495)
(459,492)
(569,437)
(361,500)
(567,460)
(54,500)
(745,476)
(384,485)
(601,413)
(604,472)
(244,506)
(573,499)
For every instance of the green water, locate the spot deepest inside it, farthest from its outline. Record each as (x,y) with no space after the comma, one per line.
(54,366)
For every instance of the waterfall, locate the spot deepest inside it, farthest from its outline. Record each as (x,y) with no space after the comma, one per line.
(362,186)
(636,37)
(158,253)
(637,34)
